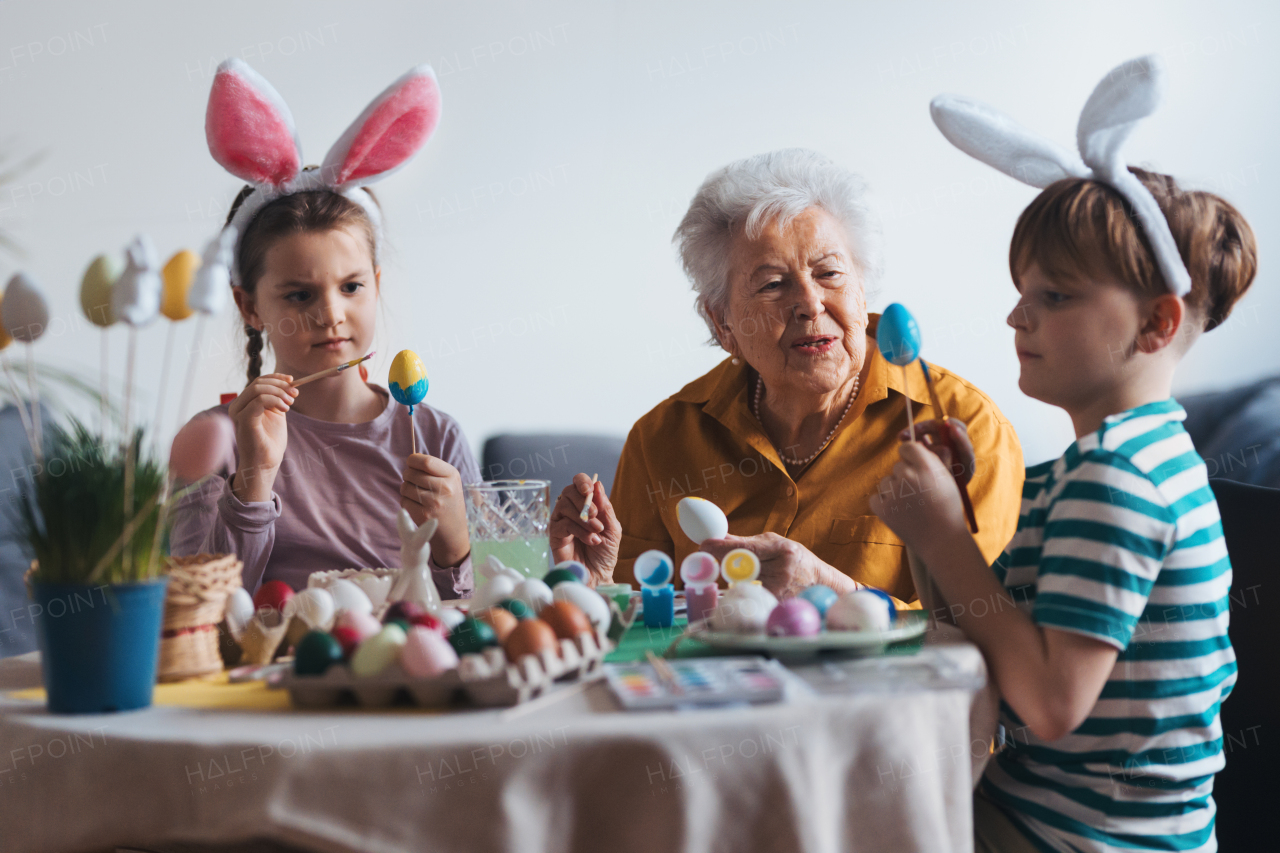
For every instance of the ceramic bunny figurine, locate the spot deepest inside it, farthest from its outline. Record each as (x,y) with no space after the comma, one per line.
(135,297)
(414,583)
(1129,93)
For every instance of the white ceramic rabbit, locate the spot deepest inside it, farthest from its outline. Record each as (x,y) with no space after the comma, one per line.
(135,297)
(414,583)
(1129,93)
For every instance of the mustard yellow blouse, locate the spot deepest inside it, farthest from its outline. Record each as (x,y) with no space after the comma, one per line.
(704,441)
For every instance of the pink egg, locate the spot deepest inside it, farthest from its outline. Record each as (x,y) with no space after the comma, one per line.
(363,624)
(201,447)
(794,617)
(426,654)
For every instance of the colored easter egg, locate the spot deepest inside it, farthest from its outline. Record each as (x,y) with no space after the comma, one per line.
(858,611)
(451,617)
(350,597)
(406,610)
(378,652)
(203,445)
(239,610)
(740,566)
(407,379)
(502,621)
(517,608)
(313,606)
(490,593)
(699,569)
(820,596)
(579,570)
(362,623)
(135,298)
(177,276)
(653,568)
(212,285)
(587,599)
(898,336)
(530,637)
(795,617)
(701,520)
(316,652)
(744,609)
(566,619)
(426,654)
(471,636)
(26,314)
(888,600)
(272,595)
(95,289)
(431,622)
(348,638)
(533,592)
(559,576)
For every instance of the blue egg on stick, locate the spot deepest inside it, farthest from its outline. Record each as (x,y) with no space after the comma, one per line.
(898,336)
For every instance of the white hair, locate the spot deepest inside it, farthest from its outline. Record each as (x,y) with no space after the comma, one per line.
(774,187)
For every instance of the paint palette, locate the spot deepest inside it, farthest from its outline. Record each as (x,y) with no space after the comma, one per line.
(709,681)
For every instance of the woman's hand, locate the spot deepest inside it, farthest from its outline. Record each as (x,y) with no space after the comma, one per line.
(920,501)
(786,567)
(432,488)
(261,435)
(593,542)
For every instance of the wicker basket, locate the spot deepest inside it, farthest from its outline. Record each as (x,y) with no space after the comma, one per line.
(197,597)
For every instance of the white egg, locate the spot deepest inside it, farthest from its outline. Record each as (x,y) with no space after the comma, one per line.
(314,606)
(744,609)
(348,596)
(497,588)
(701,520)
(534,593)
(239,610)
(858,611)
(588,600)
(452,617)
(26,314)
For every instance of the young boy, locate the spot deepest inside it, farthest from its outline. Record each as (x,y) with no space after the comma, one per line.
(1114,663)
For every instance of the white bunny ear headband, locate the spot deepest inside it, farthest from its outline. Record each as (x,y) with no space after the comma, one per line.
(251,134)
(1129,93)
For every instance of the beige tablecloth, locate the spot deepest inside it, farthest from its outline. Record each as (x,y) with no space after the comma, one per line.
(888,765)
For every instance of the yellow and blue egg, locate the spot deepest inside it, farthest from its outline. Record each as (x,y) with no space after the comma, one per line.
(407,379)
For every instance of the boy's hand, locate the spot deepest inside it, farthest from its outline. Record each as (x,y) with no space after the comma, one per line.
(919,500)
(948,439)
(432,488)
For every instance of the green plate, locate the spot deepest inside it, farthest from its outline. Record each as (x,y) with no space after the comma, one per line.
(909,625)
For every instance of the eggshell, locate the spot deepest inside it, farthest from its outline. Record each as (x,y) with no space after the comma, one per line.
(426,654)
(744,609)
(272,595)
(566,619)
(378,652)
(701,520)
(95,289)
(347,596)
(362,623)
(407,379)
(794,617)
(820,596)
(493,591)
(348,638)
(579,569)
(239,610)
(530,637)
(451,617)
(653,568)
(590,602)
(897,335)
(212,285)
(559,576)
(136,295)
(858,611)
(316,652)
(314,606)
(177,276)
(201,447)
(533,592)
(471,636)
(26,314)
(501,621)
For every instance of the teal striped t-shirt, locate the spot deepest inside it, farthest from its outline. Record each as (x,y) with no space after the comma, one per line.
(1120,539)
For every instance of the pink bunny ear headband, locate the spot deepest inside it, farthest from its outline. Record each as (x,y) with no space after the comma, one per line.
(1129,93)
(251,133)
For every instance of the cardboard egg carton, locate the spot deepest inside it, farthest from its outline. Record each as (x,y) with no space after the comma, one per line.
(487,679)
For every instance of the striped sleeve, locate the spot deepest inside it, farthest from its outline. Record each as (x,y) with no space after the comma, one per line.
(1106,535)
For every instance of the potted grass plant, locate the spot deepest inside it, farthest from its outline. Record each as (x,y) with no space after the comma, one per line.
(98,580)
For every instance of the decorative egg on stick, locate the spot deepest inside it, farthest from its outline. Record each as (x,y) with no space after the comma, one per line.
(95,301)
(135,298)
(898,338)
(407,381)
(176,279)
(26,316)
(210,288)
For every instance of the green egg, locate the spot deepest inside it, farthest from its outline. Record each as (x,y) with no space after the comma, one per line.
(316,652)
(556,576)
(516,608)
(472,636)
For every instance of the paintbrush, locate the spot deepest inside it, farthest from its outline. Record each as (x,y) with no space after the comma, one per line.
(591,498)
(332,370)
(945,435)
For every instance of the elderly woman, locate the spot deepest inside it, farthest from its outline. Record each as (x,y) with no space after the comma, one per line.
(790,434)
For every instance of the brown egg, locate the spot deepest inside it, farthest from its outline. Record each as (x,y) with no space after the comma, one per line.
(529,637)
(501,621)
(566,619)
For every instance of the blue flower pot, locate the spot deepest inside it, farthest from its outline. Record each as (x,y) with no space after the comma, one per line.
(99,644)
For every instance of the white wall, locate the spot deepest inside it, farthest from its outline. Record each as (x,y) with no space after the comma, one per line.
(532,267)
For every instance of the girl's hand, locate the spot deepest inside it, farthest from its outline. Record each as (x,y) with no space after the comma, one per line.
(432,488)
(786,566)
(920,501)
(593,542)
(261,435)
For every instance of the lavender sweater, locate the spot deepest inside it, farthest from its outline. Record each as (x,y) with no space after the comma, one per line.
(334,503)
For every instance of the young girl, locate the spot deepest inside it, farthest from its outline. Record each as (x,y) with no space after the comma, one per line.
(320,471)
(1115,660)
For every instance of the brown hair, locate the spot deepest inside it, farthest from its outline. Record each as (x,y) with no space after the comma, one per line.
(1080,227)
(299,213)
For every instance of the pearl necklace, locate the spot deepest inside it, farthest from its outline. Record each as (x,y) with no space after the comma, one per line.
(857,383)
